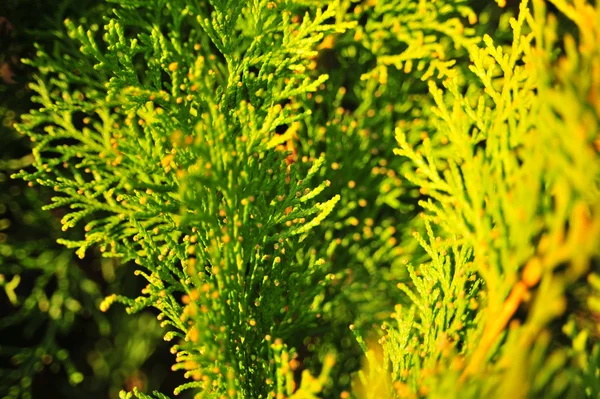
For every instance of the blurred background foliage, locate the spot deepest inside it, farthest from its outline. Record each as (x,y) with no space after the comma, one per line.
(54,342)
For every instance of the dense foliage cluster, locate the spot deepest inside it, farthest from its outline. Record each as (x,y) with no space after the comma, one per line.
(336,199)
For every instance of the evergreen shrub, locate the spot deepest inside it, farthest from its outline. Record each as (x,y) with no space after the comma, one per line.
(339,199)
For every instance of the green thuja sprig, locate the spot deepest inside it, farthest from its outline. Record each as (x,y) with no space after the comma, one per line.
(177,166)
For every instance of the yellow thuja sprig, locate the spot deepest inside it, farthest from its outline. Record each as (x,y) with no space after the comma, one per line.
(510,202)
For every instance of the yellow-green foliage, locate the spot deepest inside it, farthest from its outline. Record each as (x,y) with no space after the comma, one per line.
(512,175)
(426,172)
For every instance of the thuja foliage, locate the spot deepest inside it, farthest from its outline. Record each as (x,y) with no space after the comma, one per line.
(189,183)
(506,302)
(52,333)
(30,261)
(303,184)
